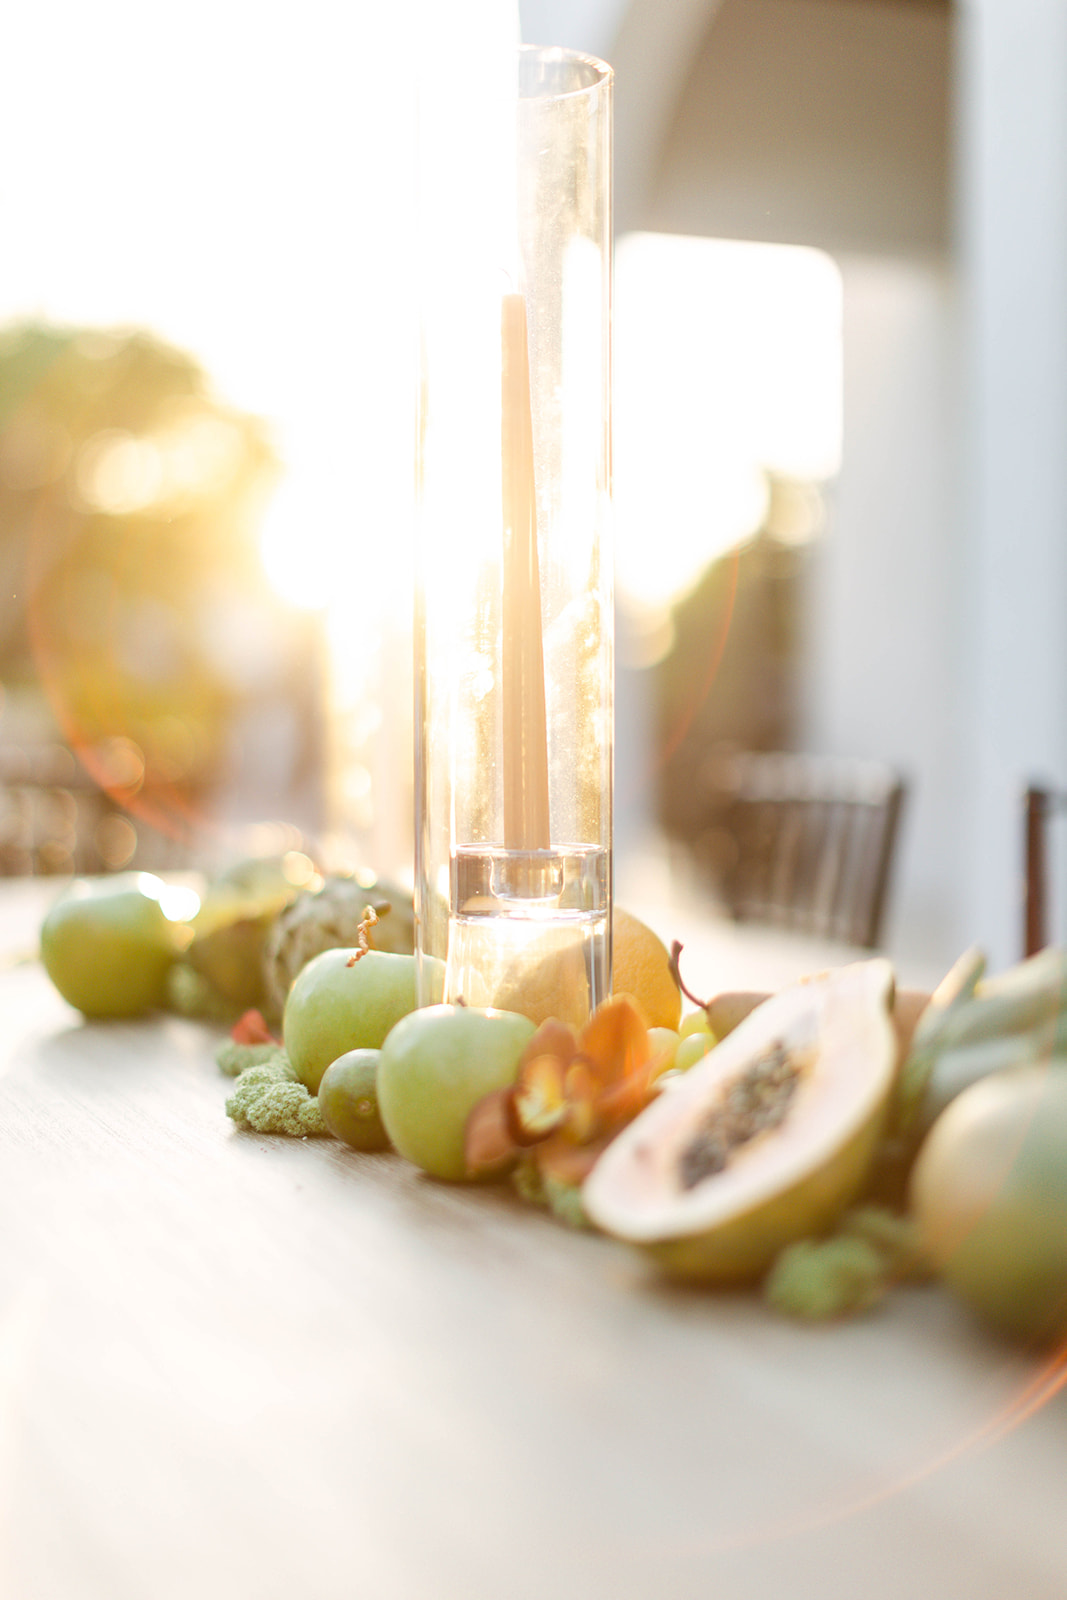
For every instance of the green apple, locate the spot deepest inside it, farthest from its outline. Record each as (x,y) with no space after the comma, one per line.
(108,943)
(339,1003)
(435,1066)
(348,1100)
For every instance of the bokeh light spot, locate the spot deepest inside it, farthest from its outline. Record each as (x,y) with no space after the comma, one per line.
(117,473)
(728,372)
(115,838)
(298,869)
(119,766)
(179,903)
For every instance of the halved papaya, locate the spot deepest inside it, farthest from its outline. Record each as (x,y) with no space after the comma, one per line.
(765,1141)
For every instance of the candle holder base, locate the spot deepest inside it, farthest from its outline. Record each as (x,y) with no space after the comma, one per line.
(530,931)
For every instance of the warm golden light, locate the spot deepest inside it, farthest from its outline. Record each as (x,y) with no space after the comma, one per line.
(728,367)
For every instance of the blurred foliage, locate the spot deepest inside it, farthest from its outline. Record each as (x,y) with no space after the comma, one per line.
(731,678)
(132,600)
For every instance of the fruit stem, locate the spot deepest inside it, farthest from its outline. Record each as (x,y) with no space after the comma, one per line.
(676,974)
(370,917)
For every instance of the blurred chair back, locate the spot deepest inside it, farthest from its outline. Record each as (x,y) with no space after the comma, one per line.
(1040,805)
(53,818)
(803,842)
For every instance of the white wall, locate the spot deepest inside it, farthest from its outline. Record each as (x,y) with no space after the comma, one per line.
(589,25)
(885,614)
(821,122)
(1013,189)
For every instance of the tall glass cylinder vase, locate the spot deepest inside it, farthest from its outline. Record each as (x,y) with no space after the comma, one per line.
(514,605)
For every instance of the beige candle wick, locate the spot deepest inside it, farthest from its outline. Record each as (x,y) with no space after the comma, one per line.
(526,822)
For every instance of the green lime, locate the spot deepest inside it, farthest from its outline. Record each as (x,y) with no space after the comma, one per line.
(348,1100)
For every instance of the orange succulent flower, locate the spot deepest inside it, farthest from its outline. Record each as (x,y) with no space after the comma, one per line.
(251,1028)
(572,1090)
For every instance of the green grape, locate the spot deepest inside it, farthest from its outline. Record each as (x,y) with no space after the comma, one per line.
(694,1047)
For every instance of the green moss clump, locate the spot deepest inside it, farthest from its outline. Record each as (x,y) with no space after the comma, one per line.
(268,1099)
(872,1250)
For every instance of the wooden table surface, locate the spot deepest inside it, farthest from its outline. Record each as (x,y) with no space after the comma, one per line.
(239,1368)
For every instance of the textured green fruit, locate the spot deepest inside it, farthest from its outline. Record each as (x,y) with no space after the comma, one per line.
(989,1195)
(348,1100)
(807,1077)
(339,1003)
(238,912)
(230,957)
(108,944)
(435,1066)
(330,917)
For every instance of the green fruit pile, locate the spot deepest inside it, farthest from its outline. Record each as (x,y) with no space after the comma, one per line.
(971,1125)
(262,920)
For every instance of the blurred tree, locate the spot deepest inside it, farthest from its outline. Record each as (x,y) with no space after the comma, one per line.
(731,677)
(132,600)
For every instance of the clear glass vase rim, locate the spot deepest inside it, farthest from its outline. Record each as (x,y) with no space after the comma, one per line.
(602,74)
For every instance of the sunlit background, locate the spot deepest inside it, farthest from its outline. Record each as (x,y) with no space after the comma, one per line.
(727,375)
(231,193)
(206,425)
(871,402)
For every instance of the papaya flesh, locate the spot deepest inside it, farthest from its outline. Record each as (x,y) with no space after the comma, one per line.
(765,1141)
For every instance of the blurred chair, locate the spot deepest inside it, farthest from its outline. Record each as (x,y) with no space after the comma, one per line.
(802,842)
(1040,805)
(54,819)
